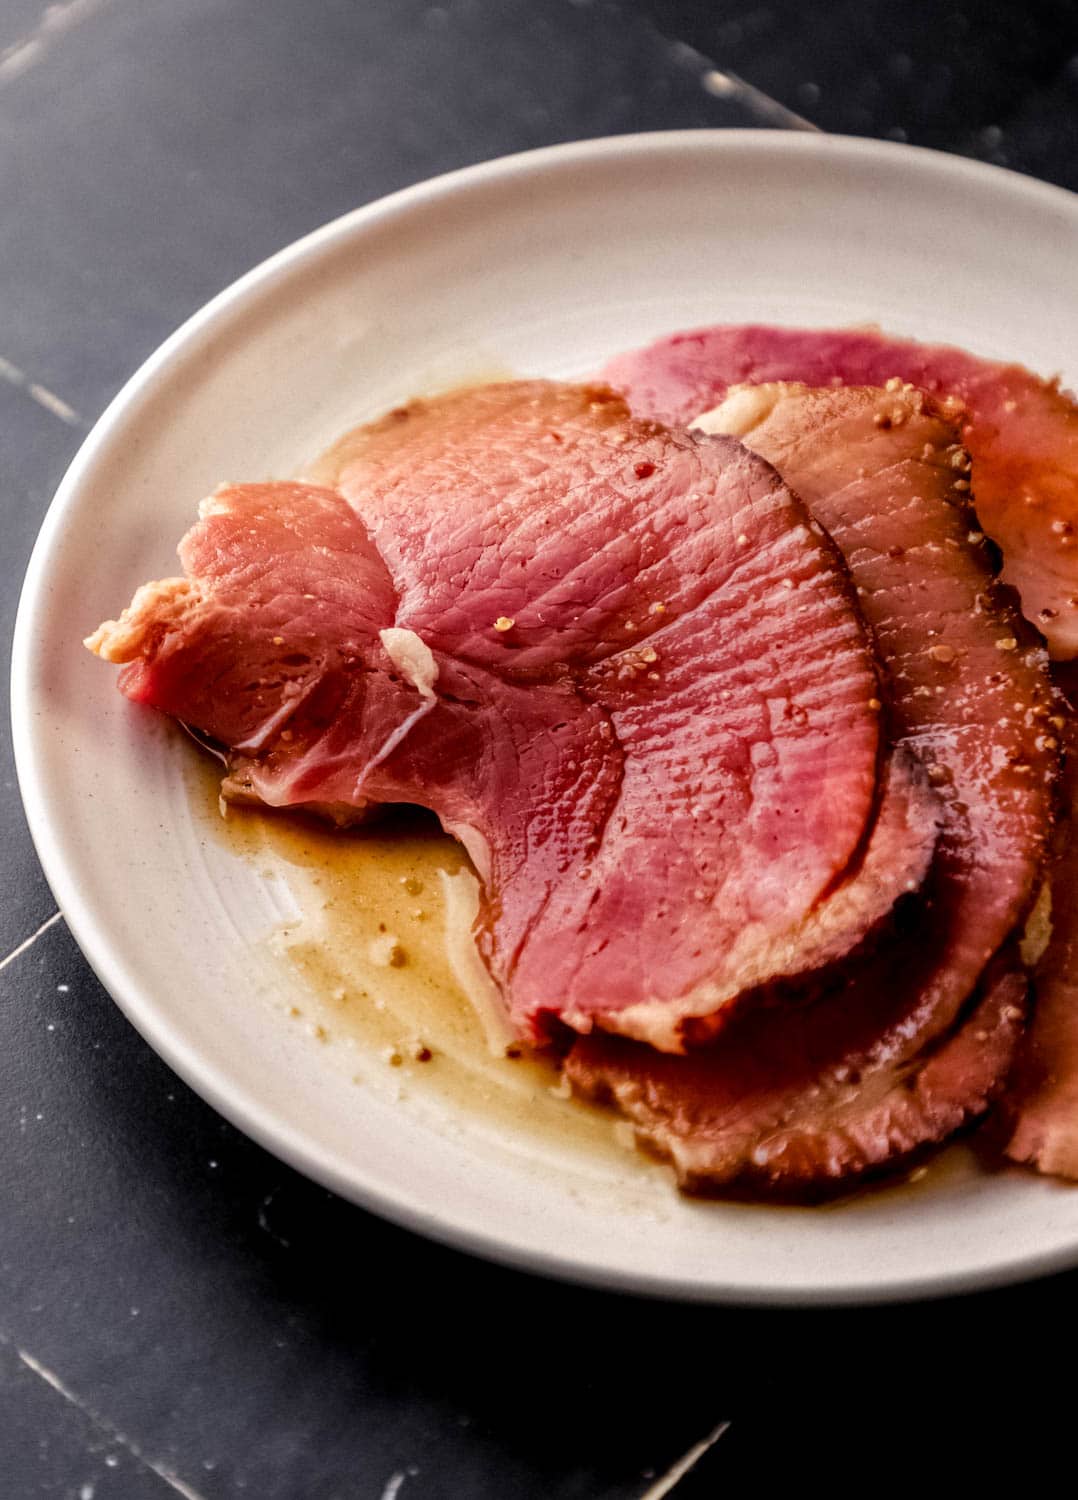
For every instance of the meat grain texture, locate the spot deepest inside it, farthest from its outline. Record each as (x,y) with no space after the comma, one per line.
(621,664)
(842,1088)
(759,781)
(1020,431)
(1042,1104)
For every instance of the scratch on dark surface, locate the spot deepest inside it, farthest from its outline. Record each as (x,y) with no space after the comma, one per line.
(163,1472)
(688,1461)
(29,942)
(266,1226)
(39,393)
(722,84)
(30,49)
(393,1485)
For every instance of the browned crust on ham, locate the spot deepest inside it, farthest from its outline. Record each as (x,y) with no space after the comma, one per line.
(859,914)
(1041,1106)
(694,1113)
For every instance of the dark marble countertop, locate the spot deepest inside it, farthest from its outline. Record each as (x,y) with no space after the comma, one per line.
(180,1313)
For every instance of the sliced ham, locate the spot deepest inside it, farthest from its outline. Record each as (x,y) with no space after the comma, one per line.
(969,680)
(770,1110)
(849,923)
(268,641)
(414,478)
(620,663)
(970,690)
(1021,432)
(1042,1096)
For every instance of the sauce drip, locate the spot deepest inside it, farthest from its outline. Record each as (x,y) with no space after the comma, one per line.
(366,972)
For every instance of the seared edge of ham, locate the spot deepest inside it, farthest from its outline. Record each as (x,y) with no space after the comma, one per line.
(842,928)
(1041,1106)
(709,1133)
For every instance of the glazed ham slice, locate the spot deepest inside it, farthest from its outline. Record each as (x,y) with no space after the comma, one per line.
(414,478)
(1021,432)
(620,663)
(1042,1097)
(969,689)
(799,1105)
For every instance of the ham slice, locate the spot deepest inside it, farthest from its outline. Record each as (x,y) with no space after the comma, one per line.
(1020,432)
(413,477)
(620,663)
(771,1110)
(1042,1099)
(849,923)
(969,689)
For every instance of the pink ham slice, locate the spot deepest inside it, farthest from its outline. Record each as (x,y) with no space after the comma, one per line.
(1021,432)
(752,1114)
(1042,1096)
(619,663)
(970,690)
(413,477)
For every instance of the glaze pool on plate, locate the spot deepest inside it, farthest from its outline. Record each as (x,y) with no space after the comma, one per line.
(510,265)
(357,926)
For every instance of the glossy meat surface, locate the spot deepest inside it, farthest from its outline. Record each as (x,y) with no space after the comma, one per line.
(1021,432)
(969,689)
(619,663)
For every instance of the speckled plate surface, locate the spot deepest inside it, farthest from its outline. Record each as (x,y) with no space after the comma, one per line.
(545,263)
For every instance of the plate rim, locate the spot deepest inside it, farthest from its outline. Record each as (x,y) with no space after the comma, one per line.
(207,1078)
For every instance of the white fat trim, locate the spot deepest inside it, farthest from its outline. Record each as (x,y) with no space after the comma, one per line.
(414,660)
(160,603)
(276,721)
(660,1022)
(216,503)
(1038,929)
(744,408)
(461,895)
(412,657)
(656,1022)
(476,845)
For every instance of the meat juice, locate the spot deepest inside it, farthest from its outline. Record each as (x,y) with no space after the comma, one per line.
(367,975)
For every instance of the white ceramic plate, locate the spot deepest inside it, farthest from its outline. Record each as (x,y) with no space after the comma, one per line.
(544,263)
